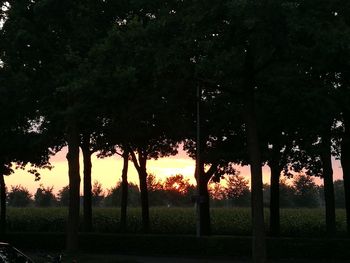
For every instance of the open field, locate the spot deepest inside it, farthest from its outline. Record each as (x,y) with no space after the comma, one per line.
(225,221)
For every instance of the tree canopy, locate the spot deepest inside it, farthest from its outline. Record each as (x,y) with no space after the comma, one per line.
(264,82)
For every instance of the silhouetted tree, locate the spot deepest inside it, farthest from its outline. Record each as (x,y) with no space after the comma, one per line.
(339,194)
(108,150)
(306,191)
(157,195)
(345,162)
(113,196)
(156,149)
(55,65)
(141,118)
(286,194)
(124,185)
(87,196)
(216,191)
(44,197)
(153,184)
(19,196)
(233,60)
(177,183)
(237,190)
(97,193)
(21,137)
(63,196)
(176,190)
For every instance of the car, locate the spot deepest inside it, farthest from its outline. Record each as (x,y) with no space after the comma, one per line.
(10,254)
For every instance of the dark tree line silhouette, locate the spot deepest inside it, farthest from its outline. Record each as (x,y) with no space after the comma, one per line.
(175,191)
(121,77)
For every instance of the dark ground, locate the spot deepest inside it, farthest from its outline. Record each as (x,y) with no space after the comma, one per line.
(104,258)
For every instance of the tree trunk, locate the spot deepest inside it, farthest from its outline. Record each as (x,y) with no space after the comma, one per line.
(259,246)
(125,185)
(326,157)
(203,204)
(254,154)
(345,163)
(144,200)
(275,199)
(74,187)
(87,207)
(2,205)
(142,172)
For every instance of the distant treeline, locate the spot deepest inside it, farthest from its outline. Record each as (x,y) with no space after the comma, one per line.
(177,191)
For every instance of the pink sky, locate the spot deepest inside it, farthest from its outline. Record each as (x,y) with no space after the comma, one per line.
(108,171)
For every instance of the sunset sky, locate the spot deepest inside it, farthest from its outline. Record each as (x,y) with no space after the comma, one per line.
(108,171)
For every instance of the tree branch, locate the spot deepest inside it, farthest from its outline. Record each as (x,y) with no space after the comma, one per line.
(134,160)
(209,174)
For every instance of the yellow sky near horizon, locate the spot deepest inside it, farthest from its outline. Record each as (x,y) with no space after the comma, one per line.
(108,171)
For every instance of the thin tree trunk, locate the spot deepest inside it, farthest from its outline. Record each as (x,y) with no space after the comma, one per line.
(275,199)
(345,162)
(198,170)
(74,187)
(87,202)
(144,200)
(140,166)
(125,185)
(326,157)
(3,205)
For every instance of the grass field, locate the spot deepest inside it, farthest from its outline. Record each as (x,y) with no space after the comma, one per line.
(225,221)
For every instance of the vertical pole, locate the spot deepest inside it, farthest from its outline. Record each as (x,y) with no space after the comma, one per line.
(198,165)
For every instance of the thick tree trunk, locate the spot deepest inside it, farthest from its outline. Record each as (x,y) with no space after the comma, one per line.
(125,185)
(326,157)
(259,245)
(204,209)
(203,204)
(87,206)
(275,199)
(254,154)
(2,205)
(74,187)
(345,162)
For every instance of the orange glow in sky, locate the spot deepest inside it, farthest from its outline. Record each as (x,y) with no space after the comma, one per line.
(108,171)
